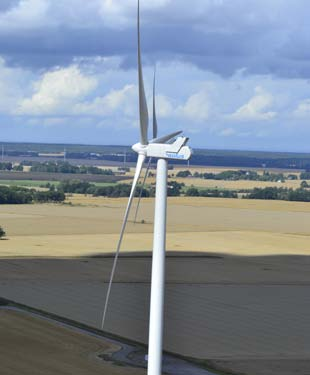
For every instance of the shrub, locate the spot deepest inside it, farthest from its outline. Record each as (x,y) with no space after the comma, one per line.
(2,233)
(192,192)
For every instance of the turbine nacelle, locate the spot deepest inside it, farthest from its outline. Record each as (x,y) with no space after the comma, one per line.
(174,151)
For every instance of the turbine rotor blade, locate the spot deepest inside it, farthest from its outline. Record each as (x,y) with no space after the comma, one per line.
(154,136)
(155,128)
(140,161)
(142,186)
(166,138)
(143,111)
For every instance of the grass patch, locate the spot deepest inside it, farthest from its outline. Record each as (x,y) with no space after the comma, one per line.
(107,183)
(27,183)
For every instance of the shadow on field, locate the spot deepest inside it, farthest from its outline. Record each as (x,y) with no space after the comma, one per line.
(216,306)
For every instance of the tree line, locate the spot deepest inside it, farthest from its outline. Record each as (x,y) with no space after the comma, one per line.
(20,195)
(211,193)
(232,175)
(268,193)
(55,167)
(115,191)
(65,167)
(274,193)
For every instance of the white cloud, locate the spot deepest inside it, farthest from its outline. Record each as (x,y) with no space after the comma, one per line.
(57,91)
(27,14)
(164,107)
(256,108)
(227,132)
(11,86)
(303,109)
(116,101)
(196,108)
(116,13)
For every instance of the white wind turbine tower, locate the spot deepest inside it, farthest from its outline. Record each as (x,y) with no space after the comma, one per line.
(163,149)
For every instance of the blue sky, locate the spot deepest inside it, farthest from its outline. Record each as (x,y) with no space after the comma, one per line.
(231,73)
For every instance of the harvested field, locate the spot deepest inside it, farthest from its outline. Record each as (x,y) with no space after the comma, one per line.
(92,225)
(218,169)
(32,345)
(237,185)
(230,185)
(227,184)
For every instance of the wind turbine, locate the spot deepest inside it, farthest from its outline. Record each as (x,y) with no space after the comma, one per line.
(163,149)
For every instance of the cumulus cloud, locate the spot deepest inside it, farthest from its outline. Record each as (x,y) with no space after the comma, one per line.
(116,101)
(164,106)
(95,93)
(12,81)
(257,108)
(264,37)
(120,14)
(303,109)
(227,132)
(196,107)
(7,4)
(26,14)
(57,91)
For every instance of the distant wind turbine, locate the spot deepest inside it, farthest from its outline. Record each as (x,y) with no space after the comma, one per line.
(163,149)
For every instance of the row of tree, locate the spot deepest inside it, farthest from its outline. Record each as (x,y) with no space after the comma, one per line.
(55,167)
(115,191)
(274,193)
(268,193)
(232,175)
(19,195)
(213,193)
(65,167)
(176,189)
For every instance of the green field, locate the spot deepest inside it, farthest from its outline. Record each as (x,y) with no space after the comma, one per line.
(32,183)
(28,183)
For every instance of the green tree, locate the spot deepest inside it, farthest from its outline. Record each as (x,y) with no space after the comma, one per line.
(304,184)
(192,192)
(2,233)
(183,174)
(174,188)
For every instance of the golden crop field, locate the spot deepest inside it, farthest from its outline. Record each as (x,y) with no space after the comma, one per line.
(226,184)
(92,225)
(236,185)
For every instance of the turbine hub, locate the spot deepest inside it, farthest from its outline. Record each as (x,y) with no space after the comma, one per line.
(139,148)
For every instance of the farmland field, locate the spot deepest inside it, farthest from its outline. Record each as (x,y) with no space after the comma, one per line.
(237,274)
(91,225)
(227,184)
(27,183)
